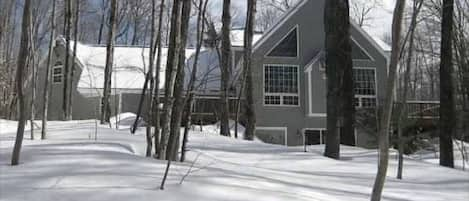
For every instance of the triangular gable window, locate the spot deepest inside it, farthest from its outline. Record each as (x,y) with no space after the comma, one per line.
(288,47)
(358,52)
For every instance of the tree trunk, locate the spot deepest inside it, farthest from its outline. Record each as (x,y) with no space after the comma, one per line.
(178,107)
(22,57)
(156,94)
(182,23)
(75,44)
(247,69)
(225,69)
(105,104)
(32,64)
(189,101)
(339,74)
(171,71)
(385,119)
(402,108)
(447,103)
(67,70)
(152,80)
(47,77)
(103,20)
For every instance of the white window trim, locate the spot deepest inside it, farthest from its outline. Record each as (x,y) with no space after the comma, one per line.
(61,74)
(368,96)
(297,27)
(264,94)
(309,91)
(284,129)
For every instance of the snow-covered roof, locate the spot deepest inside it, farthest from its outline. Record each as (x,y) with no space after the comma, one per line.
(208,72)
(381,43)
(237,37)
(129,66)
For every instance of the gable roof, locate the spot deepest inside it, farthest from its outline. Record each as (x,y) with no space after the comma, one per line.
(285,16)
(381,46)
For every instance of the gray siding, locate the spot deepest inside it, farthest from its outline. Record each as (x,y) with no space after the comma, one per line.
(309,20)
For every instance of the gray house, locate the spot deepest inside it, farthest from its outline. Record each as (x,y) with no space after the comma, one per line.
(290,81)
(289,76)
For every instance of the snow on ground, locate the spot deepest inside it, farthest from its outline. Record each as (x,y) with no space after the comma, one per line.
(432,155)
(72,165)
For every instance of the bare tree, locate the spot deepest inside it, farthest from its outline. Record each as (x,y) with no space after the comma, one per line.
(189,101)
(7,37)
(47,77)
(247,70)
(385,118)
(361,11)
(178,107)
(152,53)
(103,6)
(22,55)
(447,101)
(105,103)
(225,69)
(137,11)
(171,70)
(270,11)
(402,106)
(155,104)
(182,22)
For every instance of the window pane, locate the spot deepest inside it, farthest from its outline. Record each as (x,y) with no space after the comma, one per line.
(272,100)
(364,81)
(368,102)
(57,79)
(288,47)
(290,100)
(57,71)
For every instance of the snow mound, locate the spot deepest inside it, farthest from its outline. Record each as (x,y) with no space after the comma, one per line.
(126,120)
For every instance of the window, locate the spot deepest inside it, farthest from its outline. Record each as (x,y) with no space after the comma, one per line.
(281,85)
(57,74)
(288,46)
(365,87)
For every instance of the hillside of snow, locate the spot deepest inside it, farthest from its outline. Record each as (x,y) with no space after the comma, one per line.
(79,161)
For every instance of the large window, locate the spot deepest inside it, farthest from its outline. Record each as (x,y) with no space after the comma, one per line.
(57,74)
(365,87)
(287,47)
(281,85)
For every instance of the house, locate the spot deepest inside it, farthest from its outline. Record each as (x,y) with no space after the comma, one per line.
(290,81)
(288,72)
(128,77)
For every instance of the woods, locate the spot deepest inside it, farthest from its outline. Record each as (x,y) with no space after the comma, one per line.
(208,88)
